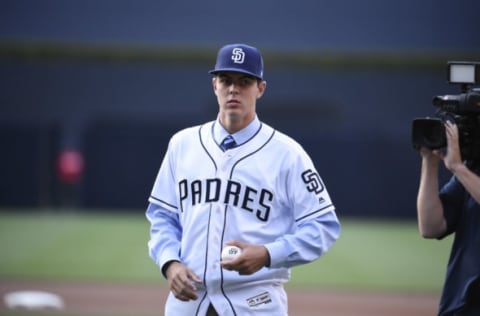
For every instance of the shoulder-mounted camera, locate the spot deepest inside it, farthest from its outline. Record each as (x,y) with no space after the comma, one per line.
(463,109)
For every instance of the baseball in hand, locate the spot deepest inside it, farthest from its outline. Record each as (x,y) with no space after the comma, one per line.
(230,252)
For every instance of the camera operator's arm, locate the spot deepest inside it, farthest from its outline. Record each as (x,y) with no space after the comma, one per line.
(453,162)
(431,221)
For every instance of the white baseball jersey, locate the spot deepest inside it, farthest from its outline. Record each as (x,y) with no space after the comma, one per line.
(265,191)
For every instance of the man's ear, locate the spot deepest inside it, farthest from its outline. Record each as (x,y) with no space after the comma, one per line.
(214,84)
(261,88)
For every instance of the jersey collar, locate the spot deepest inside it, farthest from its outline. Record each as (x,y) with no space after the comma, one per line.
(240,137)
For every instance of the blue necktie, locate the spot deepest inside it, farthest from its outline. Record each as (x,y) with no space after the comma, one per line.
(228,143)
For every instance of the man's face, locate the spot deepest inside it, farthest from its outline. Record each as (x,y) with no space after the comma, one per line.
(237,94)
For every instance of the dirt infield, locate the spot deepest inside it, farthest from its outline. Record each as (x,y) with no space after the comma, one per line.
(87,298)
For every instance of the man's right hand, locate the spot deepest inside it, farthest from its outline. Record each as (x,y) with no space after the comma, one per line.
(182,281)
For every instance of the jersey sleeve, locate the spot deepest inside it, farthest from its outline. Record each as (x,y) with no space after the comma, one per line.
(317,225)
(165,235)
(308,196)
(164,188)
(165,229)
(312,239)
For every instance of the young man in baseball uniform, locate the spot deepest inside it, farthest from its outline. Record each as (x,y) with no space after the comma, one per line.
(236,181)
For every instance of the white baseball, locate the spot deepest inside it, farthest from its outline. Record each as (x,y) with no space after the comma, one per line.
(230,252)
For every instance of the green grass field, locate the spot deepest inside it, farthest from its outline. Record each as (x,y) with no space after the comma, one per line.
(385,255)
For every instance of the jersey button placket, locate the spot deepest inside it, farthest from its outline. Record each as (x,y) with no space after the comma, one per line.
(214,250)
(225,163)
(213,277)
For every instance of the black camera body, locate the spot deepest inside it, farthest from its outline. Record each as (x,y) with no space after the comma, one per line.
(462,109)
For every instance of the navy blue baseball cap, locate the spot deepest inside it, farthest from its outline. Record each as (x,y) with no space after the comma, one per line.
(239,58)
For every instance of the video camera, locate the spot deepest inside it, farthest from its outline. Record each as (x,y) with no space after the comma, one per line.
(462,109)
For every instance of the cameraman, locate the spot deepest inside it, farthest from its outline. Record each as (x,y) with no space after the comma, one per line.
(455,208)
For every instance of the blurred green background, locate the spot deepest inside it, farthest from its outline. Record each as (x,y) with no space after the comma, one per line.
(71,245)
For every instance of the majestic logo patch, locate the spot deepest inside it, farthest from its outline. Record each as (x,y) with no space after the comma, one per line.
(238,56)
(263,298)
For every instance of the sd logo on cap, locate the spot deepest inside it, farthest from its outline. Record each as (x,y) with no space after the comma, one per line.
(239,58)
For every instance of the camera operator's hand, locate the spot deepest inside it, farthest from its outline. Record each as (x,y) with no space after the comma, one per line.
(429,154)
(453,162)
(452,159)
(430,158)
